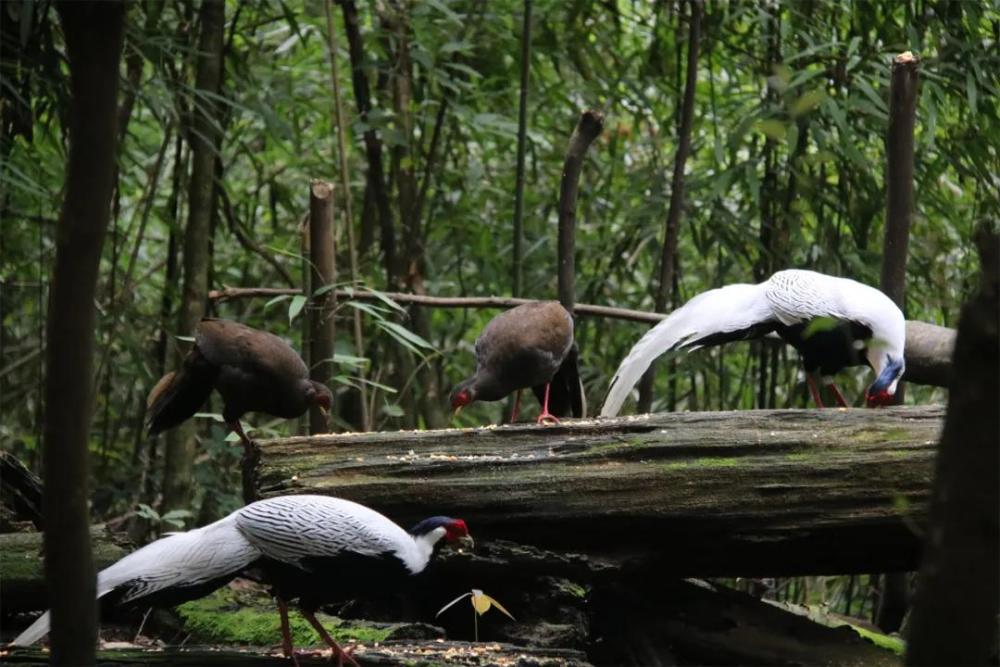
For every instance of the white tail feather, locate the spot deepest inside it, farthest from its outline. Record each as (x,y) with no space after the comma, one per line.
(35,631)
(180,559)
(729,308)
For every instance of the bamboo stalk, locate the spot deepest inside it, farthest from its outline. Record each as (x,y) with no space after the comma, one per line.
(345,184)
(522,126)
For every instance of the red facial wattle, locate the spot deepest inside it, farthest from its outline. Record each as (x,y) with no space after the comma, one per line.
(456,530)
(878,399)
(461,399)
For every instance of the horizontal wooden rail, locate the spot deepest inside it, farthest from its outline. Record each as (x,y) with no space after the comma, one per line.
(928,346)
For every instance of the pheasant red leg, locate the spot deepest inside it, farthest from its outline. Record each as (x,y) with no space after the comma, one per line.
(338,652)
(841,401)
(547,416)
(236,426)
(814,390)
(286,634)
(517,407)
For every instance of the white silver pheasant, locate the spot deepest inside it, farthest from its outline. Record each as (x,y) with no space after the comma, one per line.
(832,322)
(315,549)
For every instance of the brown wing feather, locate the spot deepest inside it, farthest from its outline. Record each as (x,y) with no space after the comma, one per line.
(179,394)
(227,343)
(545,326)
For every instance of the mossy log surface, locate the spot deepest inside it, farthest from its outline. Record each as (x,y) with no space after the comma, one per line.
(751,493)
(484,654)
(22,586)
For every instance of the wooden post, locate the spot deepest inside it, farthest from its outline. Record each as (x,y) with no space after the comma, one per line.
(323,271)
(899,185)
(590,125)
(894,599)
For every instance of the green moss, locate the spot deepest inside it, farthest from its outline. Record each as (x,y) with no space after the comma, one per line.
(704,462)
(20,566)
(720,462)
(21,554)
(231,617)
(889,643)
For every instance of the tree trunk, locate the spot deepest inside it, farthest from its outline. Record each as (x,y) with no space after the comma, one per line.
(955,608)
(204,139)
(427,400)
(522,135)
(345,184)
(373,144)
(94,57)
(672,225)
(323,263)
(747,493)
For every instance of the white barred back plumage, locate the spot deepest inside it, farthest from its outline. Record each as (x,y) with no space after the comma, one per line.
(286,529)
(788,298)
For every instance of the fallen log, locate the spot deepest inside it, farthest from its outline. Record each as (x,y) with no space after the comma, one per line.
(929,349)
(752,493)
(20,494)
(486,654)
(22,583)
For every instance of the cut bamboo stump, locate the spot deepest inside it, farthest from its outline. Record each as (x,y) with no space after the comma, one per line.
(752,493)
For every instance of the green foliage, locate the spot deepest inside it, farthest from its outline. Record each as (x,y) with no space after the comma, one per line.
(790,118)
(174,519)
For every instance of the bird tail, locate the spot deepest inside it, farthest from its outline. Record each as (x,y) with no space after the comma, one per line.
(179,394)
(179,567)
(566,395)
(728,313)
(35,631)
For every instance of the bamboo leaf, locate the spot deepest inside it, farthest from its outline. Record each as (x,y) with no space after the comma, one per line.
(452,603)
(405,336)
(295,307)
(499,606)
(277,299)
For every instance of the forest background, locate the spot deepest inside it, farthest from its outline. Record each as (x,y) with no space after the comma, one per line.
(786,169)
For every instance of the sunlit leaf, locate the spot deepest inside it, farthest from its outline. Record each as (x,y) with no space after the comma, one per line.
(774,129)
(405,336)
(806,102)
(277,299)
(295,307)
(480,601)
(499,606)
(452,603)
(819,324)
